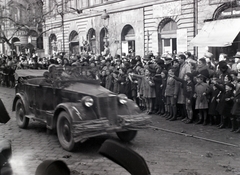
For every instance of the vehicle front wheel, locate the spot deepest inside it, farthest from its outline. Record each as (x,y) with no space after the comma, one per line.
(127,136)
(22,120)
(64,133)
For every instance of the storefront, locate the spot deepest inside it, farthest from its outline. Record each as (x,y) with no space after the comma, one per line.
(220,33)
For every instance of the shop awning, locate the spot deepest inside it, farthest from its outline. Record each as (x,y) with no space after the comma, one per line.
(218,33)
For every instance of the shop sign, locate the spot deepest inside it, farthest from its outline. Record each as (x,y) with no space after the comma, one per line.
(212,2)
(181,40)
(230,12)
(167,9)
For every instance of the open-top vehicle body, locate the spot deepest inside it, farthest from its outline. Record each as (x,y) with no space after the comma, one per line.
(76,108)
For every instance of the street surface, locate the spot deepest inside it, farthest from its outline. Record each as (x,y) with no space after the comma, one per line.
(169,148)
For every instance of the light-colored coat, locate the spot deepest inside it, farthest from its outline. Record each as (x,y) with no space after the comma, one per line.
(183,69)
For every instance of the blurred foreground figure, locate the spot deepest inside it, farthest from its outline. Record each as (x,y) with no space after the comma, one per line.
(4,117)
(125,157)
(5,154)
(52,167)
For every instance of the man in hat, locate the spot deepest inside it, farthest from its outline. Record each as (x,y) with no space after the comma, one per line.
(236,61)
(183,69)
(168,62)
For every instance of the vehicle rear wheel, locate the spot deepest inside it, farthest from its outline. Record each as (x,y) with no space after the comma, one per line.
(127,136)
(64,133)
(22,120)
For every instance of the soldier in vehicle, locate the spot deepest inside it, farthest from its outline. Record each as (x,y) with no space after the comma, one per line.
(46,81)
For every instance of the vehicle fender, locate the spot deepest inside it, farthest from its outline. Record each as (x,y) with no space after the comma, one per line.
(76,111)
(130,108)
(24,100)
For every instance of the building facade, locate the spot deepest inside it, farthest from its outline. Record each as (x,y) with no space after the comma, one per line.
(135,26)
(20,27)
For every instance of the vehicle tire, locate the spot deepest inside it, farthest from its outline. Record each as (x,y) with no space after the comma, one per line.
(22,121)
(127,136)
(64,133)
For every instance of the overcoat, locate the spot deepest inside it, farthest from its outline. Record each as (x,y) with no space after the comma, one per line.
(224,107)
(201,100)
(183,69)
(236,104)
(147,91)
(212,110)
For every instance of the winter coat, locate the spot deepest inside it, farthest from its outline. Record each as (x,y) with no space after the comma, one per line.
(170,87)
(188,88)
(121,83)
(146,89)
(201,99)
(109,82)
(212,110)
(236,105)
(183,69)
(224,107)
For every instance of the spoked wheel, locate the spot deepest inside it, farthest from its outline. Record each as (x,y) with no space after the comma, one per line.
(64,132)
(22,121)
(127,136)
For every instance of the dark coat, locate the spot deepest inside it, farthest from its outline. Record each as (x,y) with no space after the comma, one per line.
(212,110)
(224,107)
(236,105)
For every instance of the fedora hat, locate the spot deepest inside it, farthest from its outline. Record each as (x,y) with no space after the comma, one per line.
(237,55)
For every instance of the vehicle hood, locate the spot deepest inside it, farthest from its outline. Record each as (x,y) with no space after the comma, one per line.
(89,89)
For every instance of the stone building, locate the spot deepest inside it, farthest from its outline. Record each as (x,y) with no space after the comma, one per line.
(20,26)
(141,26)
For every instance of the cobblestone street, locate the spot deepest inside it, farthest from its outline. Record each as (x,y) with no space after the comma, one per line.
(169,148)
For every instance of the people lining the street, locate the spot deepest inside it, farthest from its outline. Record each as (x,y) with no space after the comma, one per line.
(175,87)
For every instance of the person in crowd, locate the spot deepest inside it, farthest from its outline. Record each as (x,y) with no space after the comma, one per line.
(148,88)
(109,80)
(171,95)
(183,69)
(201,91)
(214,95)
(226,101)
(236,109)
(163,89)
(236,61)
(188,91)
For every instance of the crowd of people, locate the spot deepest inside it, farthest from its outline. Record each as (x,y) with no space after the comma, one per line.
(181,86)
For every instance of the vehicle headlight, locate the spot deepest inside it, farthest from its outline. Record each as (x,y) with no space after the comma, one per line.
(122,98)
(87,101)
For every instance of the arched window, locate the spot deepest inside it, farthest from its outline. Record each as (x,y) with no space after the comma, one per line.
(103,38)
(73,43)
(52,44)
(91,37)
(167,31)
(128,40)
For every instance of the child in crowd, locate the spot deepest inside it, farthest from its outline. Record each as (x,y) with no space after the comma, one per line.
(226,102)
(163,88)
(148,89)
(214,95)
(170,95)
(201,91)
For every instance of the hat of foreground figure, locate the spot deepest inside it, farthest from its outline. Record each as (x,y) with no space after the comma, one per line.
(52,167)
(237,55)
